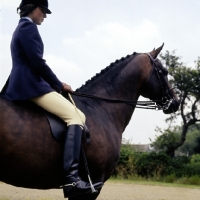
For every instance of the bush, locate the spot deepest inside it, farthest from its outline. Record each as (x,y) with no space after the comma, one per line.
(182,159)
(126,153)
(152,164)
(193,180)
(192,169)
(157,166)
(170,178)
(126,163)
(177,165)
(195,158)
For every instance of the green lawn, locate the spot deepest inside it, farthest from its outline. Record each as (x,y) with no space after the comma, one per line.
(150,182)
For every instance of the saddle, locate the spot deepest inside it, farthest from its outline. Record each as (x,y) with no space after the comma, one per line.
(59,128)
(57,125)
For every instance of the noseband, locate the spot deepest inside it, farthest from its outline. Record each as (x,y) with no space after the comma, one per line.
(165,102)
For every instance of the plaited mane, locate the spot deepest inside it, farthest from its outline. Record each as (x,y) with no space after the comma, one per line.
(103,71)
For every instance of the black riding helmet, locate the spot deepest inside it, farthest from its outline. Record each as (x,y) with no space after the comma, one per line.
(40,3)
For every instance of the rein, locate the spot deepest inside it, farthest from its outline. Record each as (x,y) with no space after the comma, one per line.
(166,101)
(139,104)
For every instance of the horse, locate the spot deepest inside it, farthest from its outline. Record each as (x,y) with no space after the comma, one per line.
(30,157)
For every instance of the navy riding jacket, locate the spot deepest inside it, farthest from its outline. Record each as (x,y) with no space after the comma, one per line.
(30,75)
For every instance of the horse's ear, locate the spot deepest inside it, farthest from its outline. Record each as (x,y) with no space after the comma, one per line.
(155,52)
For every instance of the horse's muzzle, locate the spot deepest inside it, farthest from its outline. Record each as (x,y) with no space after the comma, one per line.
(173,107)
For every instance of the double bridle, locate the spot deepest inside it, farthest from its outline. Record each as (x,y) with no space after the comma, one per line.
(151,104)
(167,98)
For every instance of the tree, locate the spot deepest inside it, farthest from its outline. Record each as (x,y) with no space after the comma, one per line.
(186,81)
(192,144)
(167,138)
(173,134)
(196,147)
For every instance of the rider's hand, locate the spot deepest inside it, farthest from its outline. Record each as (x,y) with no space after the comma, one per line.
(66,88)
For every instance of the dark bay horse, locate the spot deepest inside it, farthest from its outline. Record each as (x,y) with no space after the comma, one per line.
(29,155)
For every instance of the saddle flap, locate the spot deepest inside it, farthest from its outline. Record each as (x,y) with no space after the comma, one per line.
(57,125)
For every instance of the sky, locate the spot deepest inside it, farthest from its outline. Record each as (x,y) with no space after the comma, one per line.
(83,37)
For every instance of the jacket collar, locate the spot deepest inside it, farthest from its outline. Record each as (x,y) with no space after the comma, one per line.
(28,18)
(23,20)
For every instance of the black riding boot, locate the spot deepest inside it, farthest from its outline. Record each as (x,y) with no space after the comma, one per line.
(72,147)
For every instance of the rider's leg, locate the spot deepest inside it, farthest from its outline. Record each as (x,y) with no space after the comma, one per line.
(75,119)
(56,104)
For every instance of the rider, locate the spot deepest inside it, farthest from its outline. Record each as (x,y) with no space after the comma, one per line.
(32,79)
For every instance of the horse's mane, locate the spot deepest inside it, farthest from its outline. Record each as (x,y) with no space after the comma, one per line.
(103,71)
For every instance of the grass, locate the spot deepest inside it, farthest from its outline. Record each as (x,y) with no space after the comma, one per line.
(142,181)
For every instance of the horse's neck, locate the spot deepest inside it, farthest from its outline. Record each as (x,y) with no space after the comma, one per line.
(121,82)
